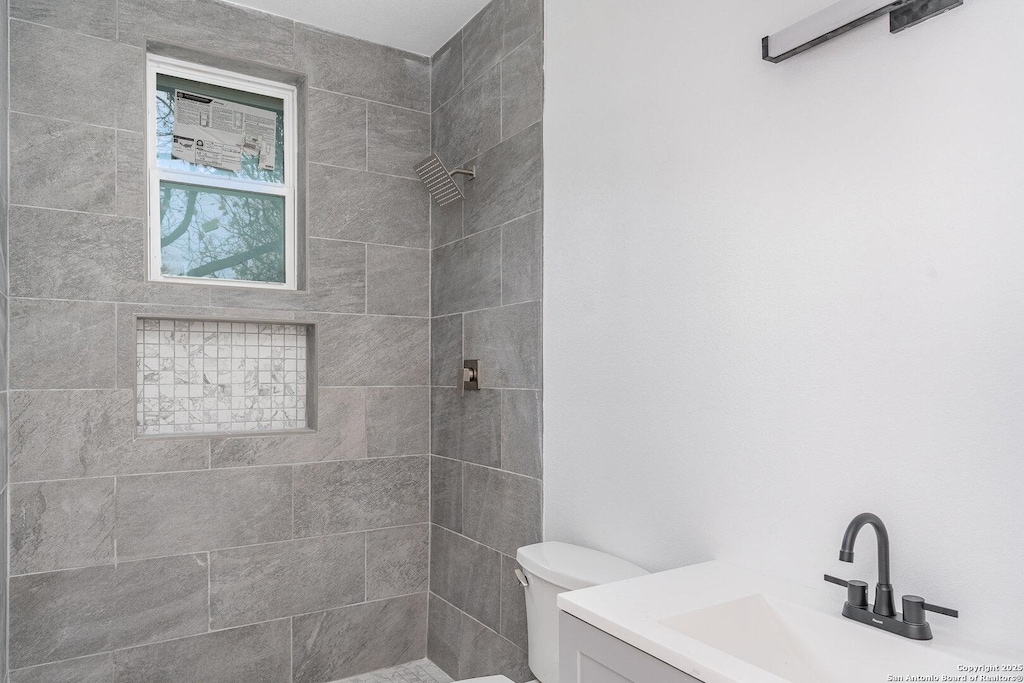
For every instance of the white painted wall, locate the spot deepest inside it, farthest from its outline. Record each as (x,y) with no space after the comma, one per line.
(780,295)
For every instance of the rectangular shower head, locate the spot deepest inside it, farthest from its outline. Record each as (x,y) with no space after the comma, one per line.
(440,184)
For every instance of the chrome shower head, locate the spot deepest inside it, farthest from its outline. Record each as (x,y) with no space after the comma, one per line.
(440,184)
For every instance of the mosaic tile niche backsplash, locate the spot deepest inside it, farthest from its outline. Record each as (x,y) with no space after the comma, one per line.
(201,377)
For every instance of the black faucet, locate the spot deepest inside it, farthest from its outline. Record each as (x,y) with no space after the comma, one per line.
(883,614)
(884,603)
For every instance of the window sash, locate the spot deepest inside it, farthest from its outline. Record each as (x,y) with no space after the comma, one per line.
(156,174)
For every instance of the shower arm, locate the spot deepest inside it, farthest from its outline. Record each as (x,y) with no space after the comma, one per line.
(471,172)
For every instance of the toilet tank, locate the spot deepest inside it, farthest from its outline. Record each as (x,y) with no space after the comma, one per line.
(552,568)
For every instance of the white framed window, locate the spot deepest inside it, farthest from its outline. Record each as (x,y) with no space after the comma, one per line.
(220,213)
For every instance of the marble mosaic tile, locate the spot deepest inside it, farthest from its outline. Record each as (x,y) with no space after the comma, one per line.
(220,377)
(421,671)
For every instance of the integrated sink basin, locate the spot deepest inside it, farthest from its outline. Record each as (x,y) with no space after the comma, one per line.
(804,646)
(722,624)
(755,629)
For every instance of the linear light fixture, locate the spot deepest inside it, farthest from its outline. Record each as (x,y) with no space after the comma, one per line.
(847,15)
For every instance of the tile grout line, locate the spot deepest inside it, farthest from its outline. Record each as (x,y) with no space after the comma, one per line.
(483,230)
(221,630)
(209,591)
(376,458)
(6,341)
(298,539)
(213,309)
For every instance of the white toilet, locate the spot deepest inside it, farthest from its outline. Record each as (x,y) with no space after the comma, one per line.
(552,568)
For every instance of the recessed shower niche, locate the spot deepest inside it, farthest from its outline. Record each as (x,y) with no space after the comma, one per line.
(223,377)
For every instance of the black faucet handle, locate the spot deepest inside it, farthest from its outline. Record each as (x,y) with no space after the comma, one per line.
(914,608)
(942,610)
(856,591)
(839,582)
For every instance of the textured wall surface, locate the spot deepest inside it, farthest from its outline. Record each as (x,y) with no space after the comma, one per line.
(487,101)
(788,294)
(274,558)
(4,291)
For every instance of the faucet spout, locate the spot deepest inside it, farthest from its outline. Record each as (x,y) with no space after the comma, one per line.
(884,602)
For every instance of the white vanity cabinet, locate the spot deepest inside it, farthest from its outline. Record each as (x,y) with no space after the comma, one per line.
(589,655)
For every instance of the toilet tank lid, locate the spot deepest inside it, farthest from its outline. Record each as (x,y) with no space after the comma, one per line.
(572,567)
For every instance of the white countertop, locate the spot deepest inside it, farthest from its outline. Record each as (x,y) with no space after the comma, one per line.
(633,611)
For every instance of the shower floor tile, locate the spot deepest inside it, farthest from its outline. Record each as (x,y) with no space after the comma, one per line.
(420,671)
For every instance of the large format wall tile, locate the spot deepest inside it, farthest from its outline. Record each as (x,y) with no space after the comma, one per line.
(227,29)
(397,421)
(508,342)
(90,17)
(61,344)
(397,139)
(5,101)
(446,72)
(131,175)
(61,524)
(340,643)
(482,40)
(93,669)
(68,614)
(5,350)
(523,18)
(355,67)
(263,582)
(337,130)
(469,123)
(397,280)
(509,182)
(467,427)
(4,232)
(522,261)
(254,654)
(521,432)
(79,183)
(62,165)
(337,283)
(444,635)
(445,350)
(5,594)
(65,434)
(165,514)
(354,495)
(483,652)
(522,87)
(67,75)
(466,574)
(367,207)
(374,351)
(68,255)
(502,510)
(397,561)
(446,493)
(341,435)
(466,275)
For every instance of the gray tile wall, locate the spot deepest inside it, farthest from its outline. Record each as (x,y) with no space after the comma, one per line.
(486,260)
(4,308)
(268,558)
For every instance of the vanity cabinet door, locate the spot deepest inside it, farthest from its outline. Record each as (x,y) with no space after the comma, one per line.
(589,655)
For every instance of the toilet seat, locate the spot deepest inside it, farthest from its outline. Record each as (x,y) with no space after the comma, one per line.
(488,679)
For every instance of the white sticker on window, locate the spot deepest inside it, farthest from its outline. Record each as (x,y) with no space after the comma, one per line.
(216,132)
